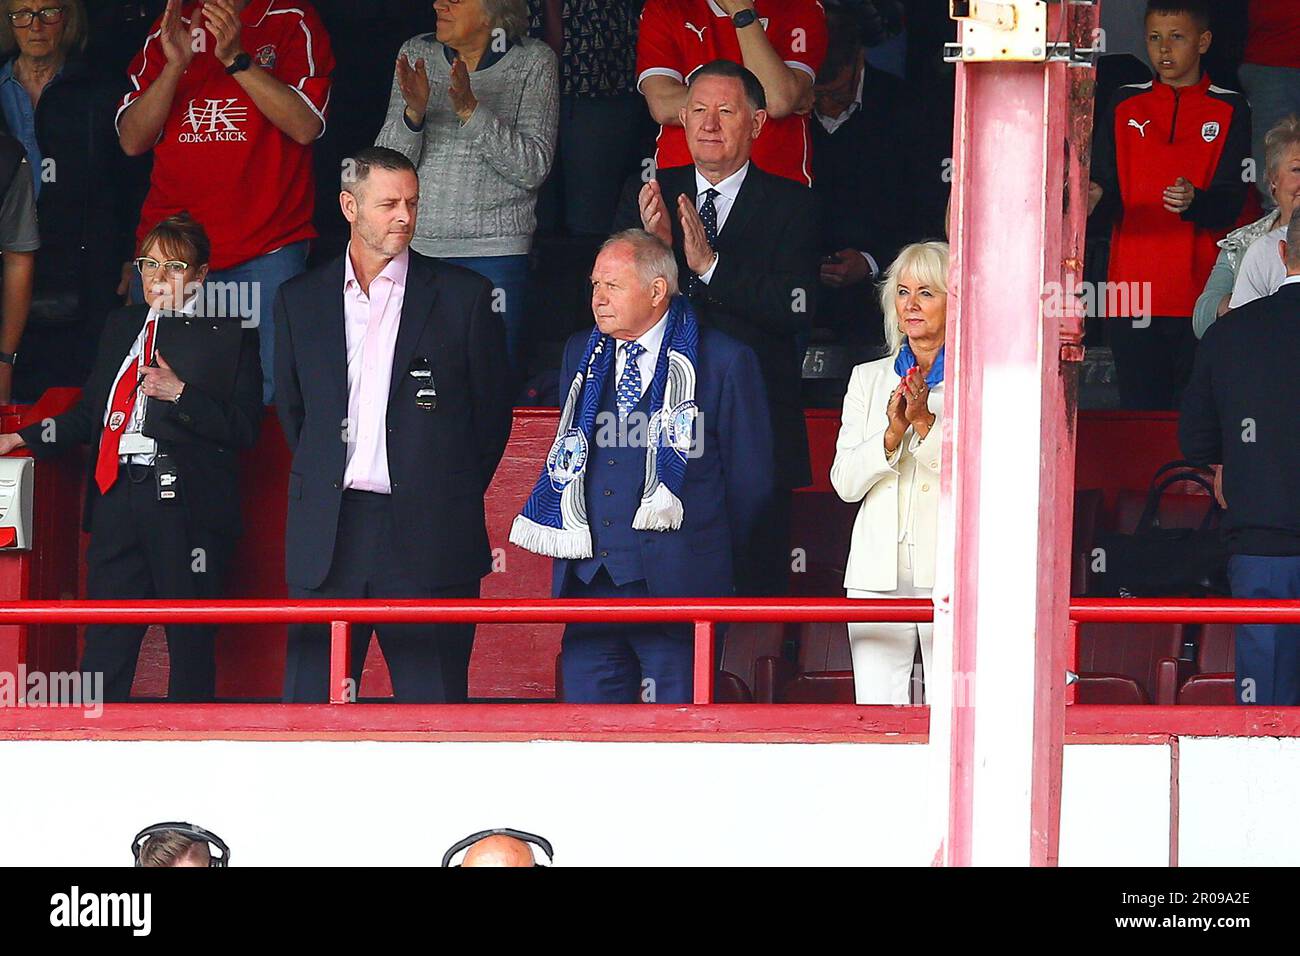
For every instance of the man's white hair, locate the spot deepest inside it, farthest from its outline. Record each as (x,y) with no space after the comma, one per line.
(654,260)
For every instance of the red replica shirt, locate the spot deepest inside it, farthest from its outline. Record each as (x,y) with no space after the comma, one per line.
(1274,34)
(677,37)
(1154,134)
(246,182)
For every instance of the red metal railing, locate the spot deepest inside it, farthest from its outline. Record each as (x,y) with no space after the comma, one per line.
(1172,610)
(705,615)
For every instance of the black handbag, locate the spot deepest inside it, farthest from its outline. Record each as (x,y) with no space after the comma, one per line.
(1164,562)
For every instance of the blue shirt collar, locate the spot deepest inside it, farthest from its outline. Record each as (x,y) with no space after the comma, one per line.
(906,361)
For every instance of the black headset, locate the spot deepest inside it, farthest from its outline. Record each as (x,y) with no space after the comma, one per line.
(197,834)
(541,842)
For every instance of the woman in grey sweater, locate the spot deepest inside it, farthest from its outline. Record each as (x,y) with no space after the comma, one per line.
(475,108)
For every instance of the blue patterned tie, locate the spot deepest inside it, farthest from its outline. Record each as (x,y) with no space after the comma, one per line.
(629,383)
(709,216)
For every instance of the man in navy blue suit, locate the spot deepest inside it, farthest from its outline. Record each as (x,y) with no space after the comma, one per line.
(661,469)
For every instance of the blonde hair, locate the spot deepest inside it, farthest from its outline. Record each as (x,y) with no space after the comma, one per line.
(1284,135)
(75,28)
(928,264)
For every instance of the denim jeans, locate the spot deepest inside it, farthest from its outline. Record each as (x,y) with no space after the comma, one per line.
(1267,655)
(509,276)
(264,276)
(1274,93)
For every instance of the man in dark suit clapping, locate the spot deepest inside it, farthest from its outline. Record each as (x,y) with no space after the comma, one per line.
(746,246)
(390,385)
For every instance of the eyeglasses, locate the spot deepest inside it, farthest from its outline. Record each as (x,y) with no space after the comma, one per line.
(173,267)
(48,15)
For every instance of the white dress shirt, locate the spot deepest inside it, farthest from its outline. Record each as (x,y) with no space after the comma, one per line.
(832,124)
(135,446)
(651,341)
(1261,271)
(728,190)
(371,320)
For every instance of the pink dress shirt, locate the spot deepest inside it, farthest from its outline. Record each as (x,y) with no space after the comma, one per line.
(371,322)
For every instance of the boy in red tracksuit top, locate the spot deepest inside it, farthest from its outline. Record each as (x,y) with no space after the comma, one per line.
(1168,165)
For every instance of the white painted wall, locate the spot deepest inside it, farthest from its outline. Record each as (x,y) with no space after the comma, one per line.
(405,803)
(1115,805)
(353,803)
(1238,799)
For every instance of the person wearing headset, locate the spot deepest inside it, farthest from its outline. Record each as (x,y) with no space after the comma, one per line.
(178,845)
(504,847)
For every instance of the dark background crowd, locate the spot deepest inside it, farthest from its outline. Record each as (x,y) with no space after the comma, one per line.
(605,136)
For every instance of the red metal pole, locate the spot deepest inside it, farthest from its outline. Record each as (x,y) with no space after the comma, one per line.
(339,693)
(704,667)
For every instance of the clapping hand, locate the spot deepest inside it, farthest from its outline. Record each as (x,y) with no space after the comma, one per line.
(177,45)
(222,19)
(695,241)
(413,81)
(917,409)
(462,97)
(654,213)
(896,412)
(1178,197)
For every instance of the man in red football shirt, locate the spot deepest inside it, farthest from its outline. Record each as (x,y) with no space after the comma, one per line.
(782,42)
(229,95)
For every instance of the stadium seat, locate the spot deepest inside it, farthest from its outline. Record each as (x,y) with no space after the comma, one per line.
(824,674)
(1088,504)
(745,645)
(1214,682)
(1146,654)
(1108,689)
(730,689)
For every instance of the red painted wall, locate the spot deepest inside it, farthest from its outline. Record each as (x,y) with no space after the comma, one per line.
(1116,451)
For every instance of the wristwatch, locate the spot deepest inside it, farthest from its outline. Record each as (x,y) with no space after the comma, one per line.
(241,63)
(744,18)
(8,358)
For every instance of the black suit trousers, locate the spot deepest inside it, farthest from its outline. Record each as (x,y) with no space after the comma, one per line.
(428,664)
(141,548)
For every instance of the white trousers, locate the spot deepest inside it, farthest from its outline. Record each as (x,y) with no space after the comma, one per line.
(883,654)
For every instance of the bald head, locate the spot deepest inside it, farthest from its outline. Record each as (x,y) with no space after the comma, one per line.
(499,851)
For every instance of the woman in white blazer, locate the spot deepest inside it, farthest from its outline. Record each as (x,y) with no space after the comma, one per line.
(887,457)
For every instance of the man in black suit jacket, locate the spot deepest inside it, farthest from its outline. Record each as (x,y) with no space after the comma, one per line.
(1239,411)
(746,243)
(390,382)
(860,179)
(193,423)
